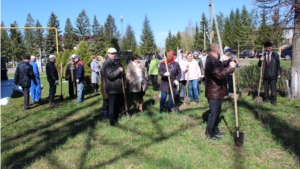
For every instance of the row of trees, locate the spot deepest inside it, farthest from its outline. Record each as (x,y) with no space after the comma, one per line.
(15,43)
(241,26)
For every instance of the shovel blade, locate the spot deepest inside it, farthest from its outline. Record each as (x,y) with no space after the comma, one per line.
(187,100)
(238,139)
(258,100)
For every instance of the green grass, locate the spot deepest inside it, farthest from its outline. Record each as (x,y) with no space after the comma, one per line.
(75,136)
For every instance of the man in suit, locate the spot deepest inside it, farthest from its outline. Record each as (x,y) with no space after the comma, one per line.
(272,71)
(215,87)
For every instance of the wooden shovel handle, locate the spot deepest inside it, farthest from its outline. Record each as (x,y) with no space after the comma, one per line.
(235,101)
(260,76)
(124,94)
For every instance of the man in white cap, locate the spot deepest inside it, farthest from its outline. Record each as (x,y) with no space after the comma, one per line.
(35,91)
(113,73)
(52,77)
(79,78)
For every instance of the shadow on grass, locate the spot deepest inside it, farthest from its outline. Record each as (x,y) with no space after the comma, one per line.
(285,134)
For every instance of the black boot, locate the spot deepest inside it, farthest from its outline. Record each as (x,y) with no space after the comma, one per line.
(51,100)
(273,101)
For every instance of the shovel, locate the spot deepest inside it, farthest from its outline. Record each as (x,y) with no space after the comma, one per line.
(238,136)
(258,99)
(124,94)
(174,109)
(61,97)
(187,98)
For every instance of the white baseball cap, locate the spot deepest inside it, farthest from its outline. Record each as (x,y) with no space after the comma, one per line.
(52,56)
(111,50)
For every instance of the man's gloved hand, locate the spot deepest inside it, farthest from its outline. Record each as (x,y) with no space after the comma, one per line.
(176,82)
(167,74)
(56,82)
(77,80)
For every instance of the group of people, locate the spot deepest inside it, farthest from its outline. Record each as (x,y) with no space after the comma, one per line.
(174,72)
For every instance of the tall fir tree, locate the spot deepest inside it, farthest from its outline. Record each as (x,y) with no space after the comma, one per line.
(247,35)
(5,42)
(203,30)
(178,37)
(169,41)
(39,34)
(264,31)
(69,35)
(147,43)
(30,40)
(98,46)
(50,45)
(198,41)
(238,29)
(229,30)
(129,41)
(111,33)
(16,43)
(83,27)
(277,30)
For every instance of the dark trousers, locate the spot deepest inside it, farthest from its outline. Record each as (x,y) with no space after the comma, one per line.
(95,87)
(272,84)
(72,89)
(105,108)
(26,97)
(213,118)
(229,83)
(154,82)
(114,104)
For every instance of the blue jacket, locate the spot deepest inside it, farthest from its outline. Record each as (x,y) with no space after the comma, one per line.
(80,71)
(35,69)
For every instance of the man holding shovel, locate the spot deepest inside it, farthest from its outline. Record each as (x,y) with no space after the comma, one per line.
(113,74)
(215,87)
(271,71)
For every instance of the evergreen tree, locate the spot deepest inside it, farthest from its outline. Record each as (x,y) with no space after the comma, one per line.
(203,24)
(221,25)
(264,31)
(198,41)
(16,43)
(50,46)
(95,27)
(30,40)
(39,36)
(111,34)
(229,30)
(148,45)
(277,29)
(178,37)
(98,46)
(82,25)
(5,42)
(247,35)
(129,41)
(69,35)
(238,29)
(169,41)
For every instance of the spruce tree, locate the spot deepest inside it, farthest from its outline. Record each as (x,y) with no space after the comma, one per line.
(247,36)
(277,29)
(229,27)
(82,25)
(238,29)
(178,40)
(16,43)
(5,42)
(203,24)
(169,41)
(69,35)
(30,40)
(129,41)
(111,34)
(198,41)
(264,31)
(148,45)
(98,45)
(39,33)
(50,45)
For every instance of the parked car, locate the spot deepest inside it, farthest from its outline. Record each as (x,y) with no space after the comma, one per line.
(3,68)
(287,53)
(247,54)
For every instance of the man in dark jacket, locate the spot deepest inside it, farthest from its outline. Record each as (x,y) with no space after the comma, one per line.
(113,73)
(52,77)
(79,78)
(23,76)
(215,87)
(71,77)
(271,71)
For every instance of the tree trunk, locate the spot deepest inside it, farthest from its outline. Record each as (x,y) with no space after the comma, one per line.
(295,78)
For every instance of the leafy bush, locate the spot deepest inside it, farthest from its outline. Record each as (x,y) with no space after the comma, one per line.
(247,77)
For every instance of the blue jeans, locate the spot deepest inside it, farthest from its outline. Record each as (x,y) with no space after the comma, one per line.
(163,99)
(229,83)
(193,90)
(35,91)
(80,92)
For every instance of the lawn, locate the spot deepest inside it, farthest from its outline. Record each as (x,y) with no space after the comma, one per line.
(75,136)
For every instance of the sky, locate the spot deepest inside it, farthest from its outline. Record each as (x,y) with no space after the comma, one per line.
(164,15)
